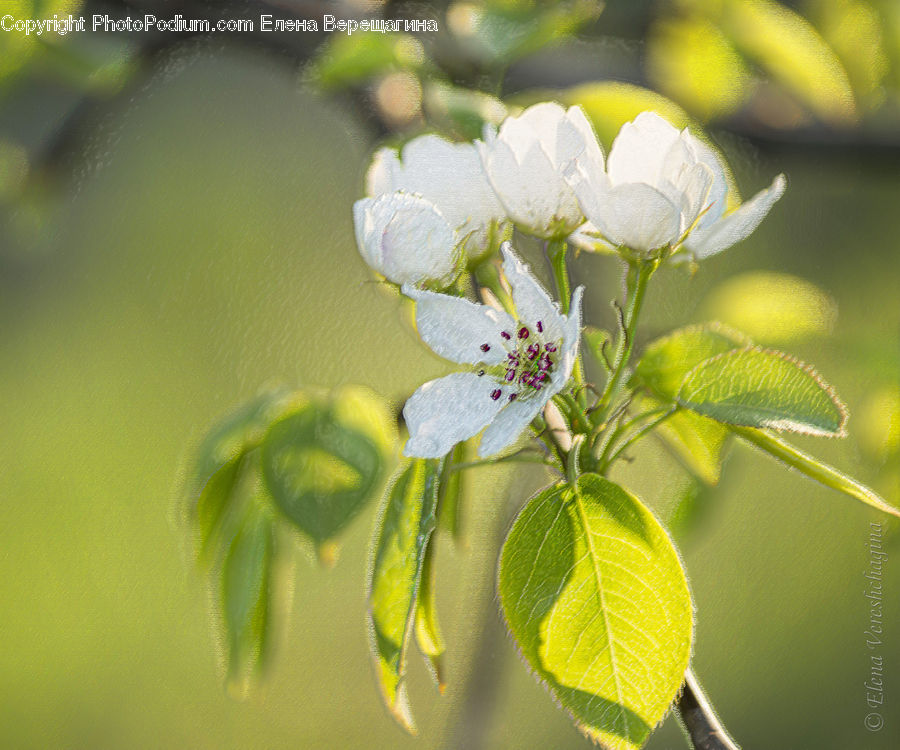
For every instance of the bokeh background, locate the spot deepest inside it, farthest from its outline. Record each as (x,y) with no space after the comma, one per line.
(175,235)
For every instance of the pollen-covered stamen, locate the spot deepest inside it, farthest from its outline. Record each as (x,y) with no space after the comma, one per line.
(528,366)
(505,335)
(495,394)
(485,347)
(540,327)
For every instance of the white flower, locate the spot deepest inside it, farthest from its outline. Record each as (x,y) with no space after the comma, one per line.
(517,365)
(660,187)
(525,161)
(450,176)
(405,238)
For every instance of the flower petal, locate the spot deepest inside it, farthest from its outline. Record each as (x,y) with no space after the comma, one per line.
(509,424)
(381,177)
(718,191)
(532,303)
(445,411)
(638,216)
(640,148)
(457,329)
(571,342)
(737,225)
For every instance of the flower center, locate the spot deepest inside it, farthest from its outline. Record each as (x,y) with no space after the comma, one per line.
(529,364)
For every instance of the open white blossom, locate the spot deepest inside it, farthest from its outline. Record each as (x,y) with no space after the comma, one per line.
(451,177)
(517,364)
(661,186)
(525,160)
(407,239)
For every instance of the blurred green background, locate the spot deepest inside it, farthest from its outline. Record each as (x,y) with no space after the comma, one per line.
(190,242)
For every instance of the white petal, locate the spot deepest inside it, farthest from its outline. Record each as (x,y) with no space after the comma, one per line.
(571,342)
(588,238)
(576,139)
(718,191)
(456,329)
(692,190)
(446,411)
(406,238)
(638,216)
(640,148)
(509,424)
(381,177)
(737,225)
(532,303)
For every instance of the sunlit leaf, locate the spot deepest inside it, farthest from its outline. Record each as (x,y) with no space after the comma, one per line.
(325,458)
(698,442)
(610,104)
(773,308)
(595,596)
(789,48)
(406,520)
(452,494)
(246,594)
(427,629)
(666,361)
(692,61)
(756,387)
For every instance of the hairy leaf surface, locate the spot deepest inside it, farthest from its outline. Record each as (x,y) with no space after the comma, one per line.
(595,596)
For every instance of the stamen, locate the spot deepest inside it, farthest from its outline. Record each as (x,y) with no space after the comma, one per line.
(550,347)
(495,394)
(524,332)
(510,375)
(540,327)
(480,373)
(485,347)
(505,335)
(512,396)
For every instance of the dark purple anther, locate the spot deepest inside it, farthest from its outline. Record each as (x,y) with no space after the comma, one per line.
(550,347)
(540,327)
(512,396)
(510,374)
(495,394)
(480,373)
(485,347)
(524,332)
(505,335)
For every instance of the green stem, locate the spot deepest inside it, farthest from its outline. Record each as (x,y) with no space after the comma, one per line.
(639,273)
(524,458)
(813,468)
(634,437)
(556,251)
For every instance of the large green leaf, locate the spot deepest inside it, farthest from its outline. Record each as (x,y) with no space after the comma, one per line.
(406,520)
(596,598)
(246,597)
(756,387)
(325,458)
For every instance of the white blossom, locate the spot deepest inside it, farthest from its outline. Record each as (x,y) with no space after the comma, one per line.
(451,177)
(525,161)
(406,239)
(660,187)
(517,365)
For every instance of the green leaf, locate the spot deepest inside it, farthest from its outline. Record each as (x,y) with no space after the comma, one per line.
(219,461)
(246,597)
(667,360)
(595,596)
(698,442)
(756,387)
(345,60)
(452,493)
(813,468)
(325,458)
(427,630)
(790,49)
(773,308)
(406,520)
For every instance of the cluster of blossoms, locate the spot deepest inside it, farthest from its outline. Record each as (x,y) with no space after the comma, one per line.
(438,207)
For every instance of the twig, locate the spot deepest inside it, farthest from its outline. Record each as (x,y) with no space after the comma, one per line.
(698,719)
